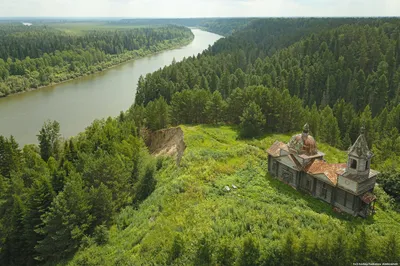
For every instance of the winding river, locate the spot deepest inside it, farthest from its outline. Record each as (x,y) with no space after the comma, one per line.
(77,103)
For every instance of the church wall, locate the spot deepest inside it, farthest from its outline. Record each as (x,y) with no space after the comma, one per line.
(349,201)
(346,201)
(347,184)
(324,191)
(307,183)
(273,166)
(366,185)
(287,174)
(340,197)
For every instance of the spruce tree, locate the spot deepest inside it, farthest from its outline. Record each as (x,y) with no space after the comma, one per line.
(66,222)
(215,108)
(252,121)
(39,201)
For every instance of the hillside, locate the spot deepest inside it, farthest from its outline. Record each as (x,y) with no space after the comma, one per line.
(100,198)
(338,74)
(191,213)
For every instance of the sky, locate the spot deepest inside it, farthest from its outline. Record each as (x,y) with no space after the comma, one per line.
(197,8)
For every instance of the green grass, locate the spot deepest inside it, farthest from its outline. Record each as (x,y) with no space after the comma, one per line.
(191,201)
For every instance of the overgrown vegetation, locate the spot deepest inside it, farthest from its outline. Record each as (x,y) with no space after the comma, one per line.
(191,219)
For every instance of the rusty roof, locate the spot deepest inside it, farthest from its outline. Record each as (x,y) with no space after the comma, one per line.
(275,149)
(331,171)
(368,197)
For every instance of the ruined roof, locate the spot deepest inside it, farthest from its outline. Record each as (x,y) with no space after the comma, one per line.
(360,148)
(275,149)
(331,171)
(368,197)
(289,162)
(303,143)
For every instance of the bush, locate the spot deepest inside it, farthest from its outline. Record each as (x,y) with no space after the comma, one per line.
(101,235)
(250,253)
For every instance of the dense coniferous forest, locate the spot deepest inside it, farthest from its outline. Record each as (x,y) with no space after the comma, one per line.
(337,74)
(222,26)
(55,195)
(36,56)
(100,198)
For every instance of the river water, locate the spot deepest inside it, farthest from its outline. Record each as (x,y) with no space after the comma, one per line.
(77,103)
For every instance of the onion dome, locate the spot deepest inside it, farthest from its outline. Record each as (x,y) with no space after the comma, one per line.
(303,143)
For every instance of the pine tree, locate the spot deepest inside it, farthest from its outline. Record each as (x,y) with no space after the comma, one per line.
(224,86)
(252,121)
(204,83)
(236,105)
(66,222)
(380,95)
(329,131)
(215,108)
(314,121)
(39,201)
(157,114)
(214,84)
(367,123)
(15,247)
(102,205)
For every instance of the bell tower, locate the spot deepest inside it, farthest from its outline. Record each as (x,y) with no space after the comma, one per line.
(359,157)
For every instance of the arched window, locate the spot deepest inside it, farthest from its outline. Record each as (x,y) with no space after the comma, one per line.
(353,164)
(367,165)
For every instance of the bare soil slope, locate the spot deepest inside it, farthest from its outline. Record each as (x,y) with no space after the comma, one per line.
(167,142)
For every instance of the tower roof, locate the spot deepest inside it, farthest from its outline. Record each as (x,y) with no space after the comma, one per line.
(303,143)
(360,147)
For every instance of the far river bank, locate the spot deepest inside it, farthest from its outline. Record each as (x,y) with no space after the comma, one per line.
(130,57)
(76,103)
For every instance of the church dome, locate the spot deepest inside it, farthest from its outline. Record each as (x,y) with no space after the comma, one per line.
(303,143)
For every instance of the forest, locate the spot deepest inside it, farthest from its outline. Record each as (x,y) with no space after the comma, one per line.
(36,56)
(100,198)
(335,74)
(222,26)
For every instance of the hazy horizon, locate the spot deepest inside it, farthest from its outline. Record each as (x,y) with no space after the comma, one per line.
(197,9)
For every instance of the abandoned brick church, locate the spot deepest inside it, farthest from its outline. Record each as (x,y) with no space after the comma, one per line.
(347,186)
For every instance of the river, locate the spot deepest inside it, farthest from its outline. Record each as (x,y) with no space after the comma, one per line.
(77,103)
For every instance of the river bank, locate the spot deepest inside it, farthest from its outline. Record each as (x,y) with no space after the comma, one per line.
(77,103)
(124,58)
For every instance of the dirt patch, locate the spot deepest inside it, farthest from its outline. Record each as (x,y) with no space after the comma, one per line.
(167,142)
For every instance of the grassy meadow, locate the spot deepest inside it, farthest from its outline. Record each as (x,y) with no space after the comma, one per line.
(191,201)
(80,28)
